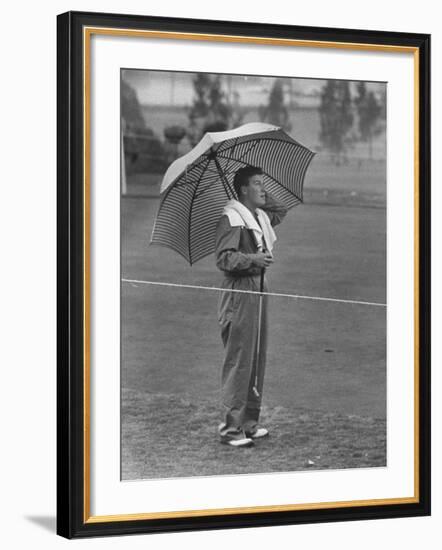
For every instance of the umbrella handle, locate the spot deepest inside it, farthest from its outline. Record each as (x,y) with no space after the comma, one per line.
(261,281)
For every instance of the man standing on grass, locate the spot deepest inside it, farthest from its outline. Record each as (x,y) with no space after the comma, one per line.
(243,250)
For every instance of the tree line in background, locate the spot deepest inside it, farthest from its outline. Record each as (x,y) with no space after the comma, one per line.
(338,111)
(212,111)
(344,119)
(143,150)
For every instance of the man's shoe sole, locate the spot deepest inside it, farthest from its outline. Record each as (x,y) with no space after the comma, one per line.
(247,442)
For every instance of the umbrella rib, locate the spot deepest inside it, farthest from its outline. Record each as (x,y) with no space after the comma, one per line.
(222,175)
(231,149)
(253,137)
(256,140)
(190,209)
(190,167)
(273,179)
(266,173)
(254,143)
(229,159)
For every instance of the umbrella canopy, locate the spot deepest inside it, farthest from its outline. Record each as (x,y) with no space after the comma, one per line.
(196,186)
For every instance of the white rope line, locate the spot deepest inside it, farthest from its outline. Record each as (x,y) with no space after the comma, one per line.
(277,294)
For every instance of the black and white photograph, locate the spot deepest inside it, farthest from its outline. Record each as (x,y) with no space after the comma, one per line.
(253,274)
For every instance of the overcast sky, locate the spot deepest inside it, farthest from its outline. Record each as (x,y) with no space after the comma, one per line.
(175,88)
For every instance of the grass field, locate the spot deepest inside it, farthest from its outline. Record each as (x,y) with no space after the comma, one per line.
(301,439)
(325,390)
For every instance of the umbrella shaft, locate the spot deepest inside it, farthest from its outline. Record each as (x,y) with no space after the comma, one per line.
(258,340)
(224,179)
(258,343)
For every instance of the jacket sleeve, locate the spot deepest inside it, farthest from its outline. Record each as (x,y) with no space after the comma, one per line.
(274,209)
(227,254)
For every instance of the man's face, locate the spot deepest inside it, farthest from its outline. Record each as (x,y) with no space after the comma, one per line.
(255,191)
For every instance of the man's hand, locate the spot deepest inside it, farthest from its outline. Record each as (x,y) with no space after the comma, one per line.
(262,259)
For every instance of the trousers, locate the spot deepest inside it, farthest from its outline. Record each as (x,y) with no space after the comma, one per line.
(238,316)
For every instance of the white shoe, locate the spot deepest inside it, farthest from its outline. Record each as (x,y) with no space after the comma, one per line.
(245,442)
(260,432)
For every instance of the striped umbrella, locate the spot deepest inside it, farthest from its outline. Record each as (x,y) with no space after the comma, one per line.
(196,186)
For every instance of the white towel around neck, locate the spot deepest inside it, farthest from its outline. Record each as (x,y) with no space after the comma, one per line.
(240,215)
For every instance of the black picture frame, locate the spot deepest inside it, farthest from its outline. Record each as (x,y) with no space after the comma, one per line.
(73,520)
